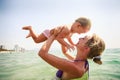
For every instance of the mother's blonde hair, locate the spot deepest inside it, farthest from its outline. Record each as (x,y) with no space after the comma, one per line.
(97,46)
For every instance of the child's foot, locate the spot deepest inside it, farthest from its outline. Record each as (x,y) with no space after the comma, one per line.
(26,28)
(29,35)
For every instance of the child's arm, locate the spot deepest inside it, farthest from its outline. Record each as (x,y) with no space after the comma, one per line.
(70,40)
(62,33)
(64,50)
(62,42)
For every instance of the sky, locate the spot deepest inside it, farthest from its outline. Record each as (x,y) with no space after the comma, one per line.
(46,14)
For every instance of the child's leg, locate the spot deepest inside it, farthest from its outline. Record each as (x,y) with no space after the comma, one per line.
(27,28)
(40,38)
(29,35)
(37,39)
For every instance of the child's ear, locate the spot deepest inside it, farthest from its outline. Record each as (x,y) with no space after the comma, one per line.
(79,25)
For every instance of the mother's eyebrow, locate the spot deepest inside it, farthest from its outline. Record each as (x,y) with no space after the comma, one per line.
(87,37)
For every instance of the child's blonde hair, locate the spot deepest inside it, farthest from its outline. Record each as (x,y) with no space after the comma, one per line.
(85,22)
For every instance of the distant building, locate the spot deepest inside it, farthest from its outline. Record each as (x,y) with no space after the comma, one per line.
(17,48)
(2,47)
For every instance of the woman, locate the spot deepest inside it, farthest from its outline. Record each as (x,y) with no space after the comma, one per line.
(87,48)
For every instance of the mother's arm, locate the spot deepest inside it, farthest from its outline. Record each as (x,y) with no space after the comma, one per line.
(59,63)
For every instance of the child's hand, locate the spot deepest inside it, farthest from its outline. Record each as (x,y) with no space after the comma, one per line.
(70,47)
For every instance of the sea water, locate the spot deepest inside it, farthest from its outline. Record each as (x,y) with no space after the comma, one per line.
(29,66)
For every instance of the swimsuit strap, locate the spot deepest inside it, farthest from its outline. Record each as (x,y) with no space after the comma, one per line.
(86,62)
(86,65)
(77,60)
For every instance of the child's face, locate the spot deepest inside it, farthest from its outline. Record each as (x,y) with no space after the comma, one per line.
(80,29)
(83,30)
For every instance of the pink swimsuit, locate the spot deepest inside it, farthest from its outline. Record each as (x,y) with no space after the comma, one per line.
(46,33)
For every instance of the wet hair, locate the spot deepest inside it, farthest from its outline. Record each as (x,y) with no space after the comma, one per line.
(97,46)
(84,22)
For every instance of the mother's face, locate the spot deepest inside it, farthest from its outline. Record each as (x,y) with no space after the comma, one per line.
(82,41)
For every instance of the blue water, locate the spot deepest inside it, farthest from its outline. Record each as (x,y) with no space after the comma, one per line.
(29,66)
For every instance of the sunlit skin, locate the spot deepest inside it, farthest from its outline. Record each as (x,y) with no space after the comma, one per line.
(71,69)
(64,32)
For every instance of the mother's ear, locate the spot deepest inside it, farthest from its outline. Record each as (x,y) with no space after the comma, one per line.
(87,49)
